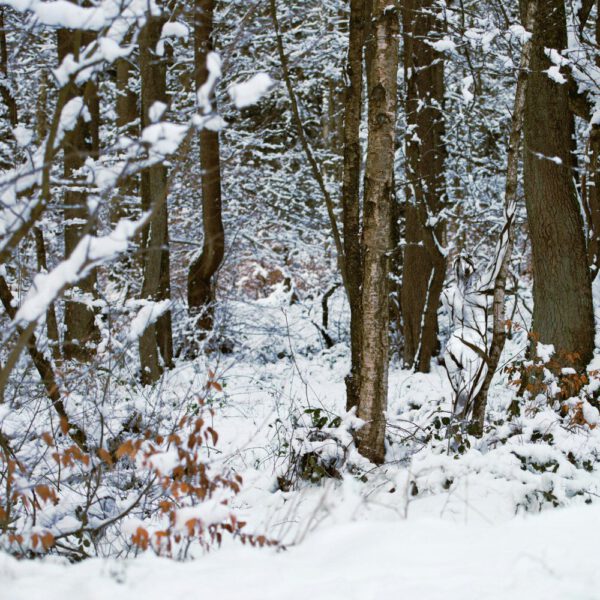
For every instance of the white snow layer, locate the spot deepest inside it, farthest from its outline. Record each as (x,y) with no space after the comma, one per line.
(549,556)
(89,252)
(251,91)
(444,45)
(147,315)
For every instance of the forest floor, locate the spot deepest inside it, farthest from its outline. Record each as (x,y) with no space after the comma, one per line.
(434,521)
(548,556)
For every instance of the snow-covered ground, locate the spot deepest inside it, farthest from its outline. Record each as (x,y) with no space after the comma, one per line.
(549,556)
(433,522)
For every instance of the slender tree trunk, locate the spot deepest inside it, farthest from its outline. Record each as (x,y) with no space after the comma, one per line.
(505,243)
(81,332)
(314,166)
(5,84)
(125,203)
(157,337)
(51,320)
(201,284)
(563,313)
(128,124)
(40,243)
(41,109)
(398,225)
(351,186)
(424,264)
(591,186)
(592,200)
(374,352)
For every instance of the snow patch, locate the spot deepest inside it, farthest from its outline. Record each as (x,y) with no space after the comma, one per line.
(251,91)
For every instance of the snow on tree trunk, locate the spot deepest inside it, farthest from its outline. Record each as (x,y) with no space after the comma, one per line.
(424,264)
(374,355)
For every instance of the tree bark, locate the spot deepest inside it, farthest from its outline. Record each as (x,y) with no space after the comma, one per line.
(201,284)
(81,333)
(424,263)
(156,285)
(563,312)
(374,352)
(351,186)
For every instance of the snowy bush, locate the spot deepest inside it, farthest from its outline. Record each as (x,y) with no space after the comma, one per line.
(148,480)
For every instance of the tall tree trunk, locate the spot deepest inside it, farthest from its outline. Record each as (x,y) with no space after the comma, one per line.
(81,332)
(351,186)
(563,313)
(374,335)
(499,271)
(424,264)
(156,286)
(201,285)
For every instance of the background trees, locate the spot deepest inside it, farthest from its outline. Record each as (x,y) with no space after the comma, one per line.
(81,142)
(424,262)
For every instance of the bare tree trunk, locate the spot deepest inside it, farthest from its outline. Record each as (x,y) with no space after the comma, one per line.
(81,332)
(41,109)
(126,202)
(424,264)
(374,352)
(201,285)
(563,313)
(5,85)
(591,190)
(591,183)
(505,243)
(157,337)
(128,124)
(351,186)
(42,255)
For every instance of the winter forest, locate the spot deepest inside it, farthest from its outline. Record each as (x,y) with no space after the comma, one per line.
(299,298)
